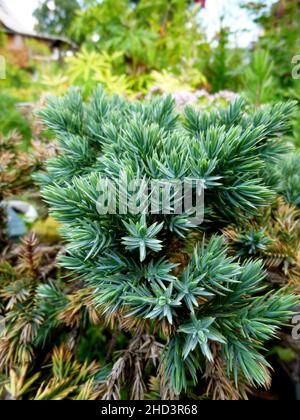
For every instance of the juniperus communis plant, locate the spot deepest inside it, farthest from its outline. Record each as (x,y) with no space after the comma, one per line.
(202,305)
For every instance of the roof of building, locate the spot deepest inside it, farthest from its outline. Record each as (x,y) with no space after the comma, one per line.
(12,25)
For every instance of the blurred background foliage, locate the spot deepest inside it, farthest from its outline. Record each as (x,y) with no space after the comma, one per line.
(132,48)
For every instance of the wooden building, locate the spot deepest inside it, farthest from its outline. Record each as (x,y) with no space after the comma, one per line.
(23,45)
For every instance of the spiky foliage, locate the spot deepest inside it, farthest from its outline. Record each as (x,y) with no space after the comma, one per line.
(44,325)
(20,278)
(157,146)
(41,320)
(273,237)
(62,378)
(128,259)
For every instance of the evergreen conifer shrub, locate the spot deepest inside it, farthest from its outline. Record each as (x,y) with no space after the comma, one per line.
(208,311)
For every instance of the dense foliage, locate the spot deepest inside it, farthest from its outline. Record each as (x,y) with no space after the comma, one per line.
(211,300)
(150,304)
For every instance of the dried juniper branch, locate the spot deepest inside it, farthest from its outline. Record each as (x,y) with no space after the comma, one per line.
(129,367)
(219,386)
